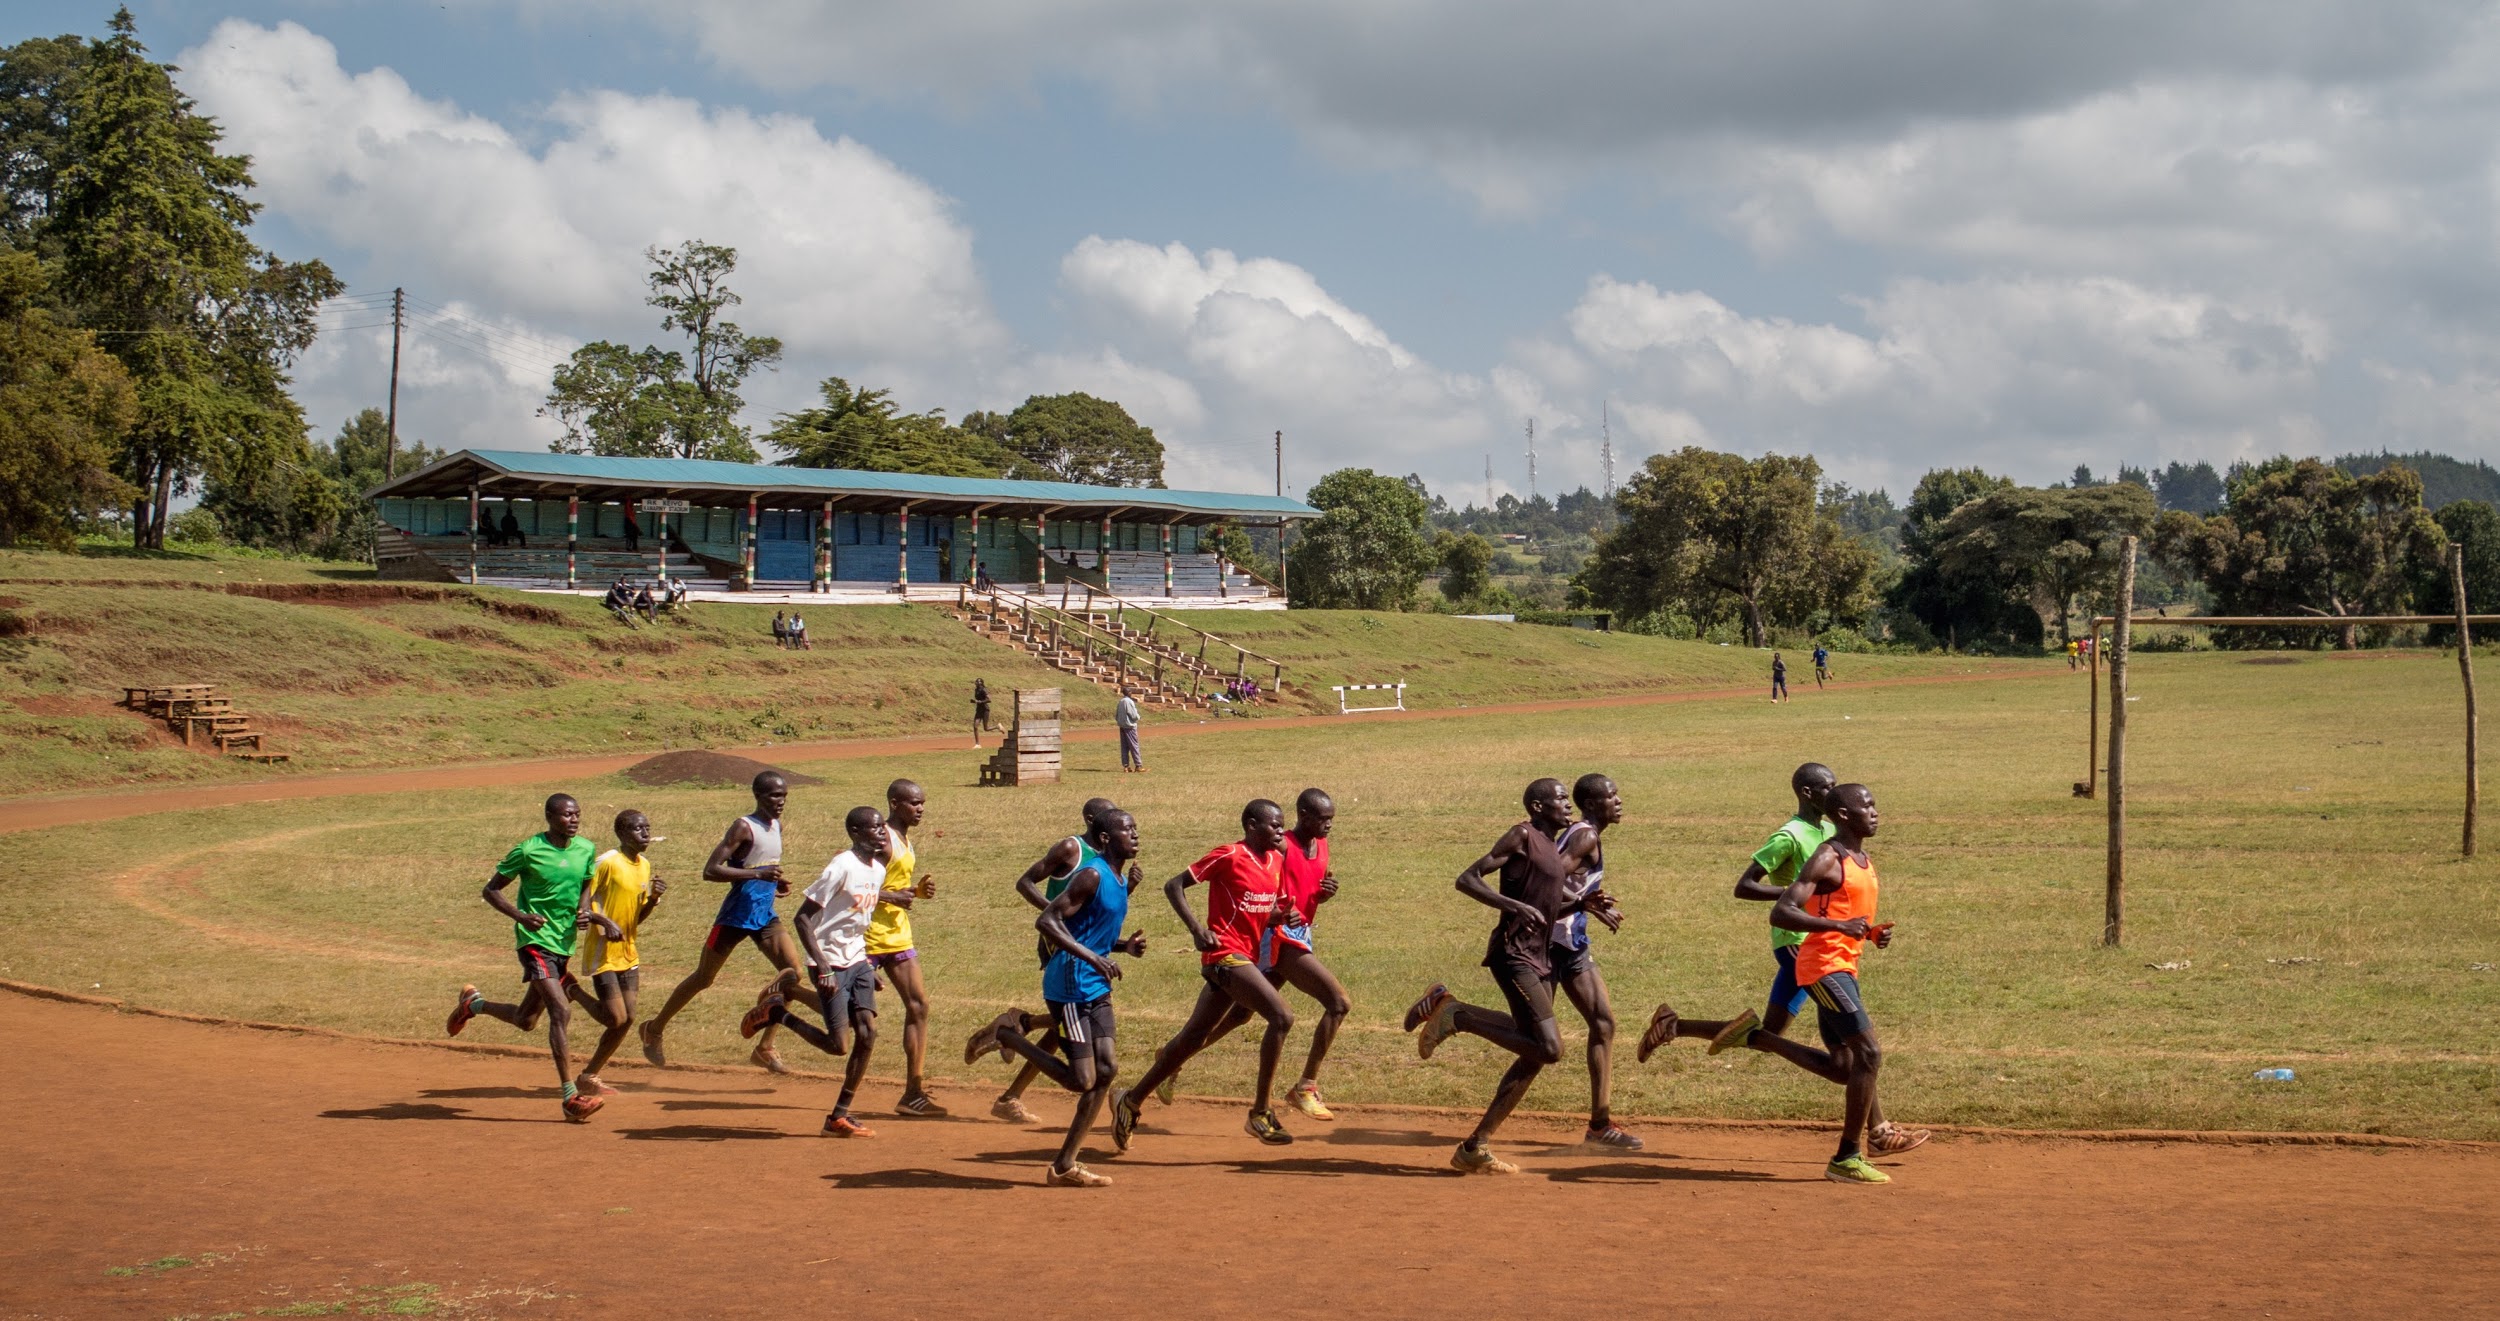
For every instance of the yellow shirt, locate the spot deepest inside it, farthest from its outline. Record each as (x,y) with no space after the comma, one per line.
(889,929)
(617,885)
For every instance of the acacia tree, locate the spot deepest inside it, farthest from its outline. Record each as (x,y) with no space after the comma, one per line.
(661,403)
(1964,609)
(2298,536)
(149,220)
(1368,549)
(1714,535)
(2055,546)
(860,427)
(1074,438)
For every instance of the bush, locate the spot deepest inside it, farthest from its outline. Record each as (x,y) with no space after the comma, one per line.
(1670,624)
(197,525)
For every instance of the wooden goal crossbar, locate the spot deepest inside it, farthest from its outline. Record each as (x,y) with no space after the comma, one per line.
(2122,627)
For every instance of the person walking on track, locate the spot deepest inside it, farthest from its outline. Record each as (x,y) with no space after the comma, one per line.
(1125,715)
(980,709)
(1779,678)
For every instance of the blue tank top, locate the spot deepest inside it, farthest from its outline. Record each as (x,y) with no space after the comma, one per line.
(749,904)
(1067,979)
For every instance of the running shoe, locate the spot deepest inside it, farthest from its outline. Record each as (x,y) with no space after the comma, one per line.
(1165,1090)
(1305,1098)
(984,1039)
(1075,1176)
(1123,1119)
(1011,1109)
(461,1012)
(760,1017)
(593,1085)
(1854,1169)
(1443,1024)
(1263,1125)
(1422,1010)
(920,1105)
(1738,1032)
(1610,1138)
(1480,1160)
(1661,1031)
(843,1126)
(1892,1139)
(766,1058)
(579,1107)
(651,1046)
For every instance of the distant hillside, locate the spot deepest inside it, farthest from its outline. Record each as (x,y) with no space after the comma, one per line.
(2444,480)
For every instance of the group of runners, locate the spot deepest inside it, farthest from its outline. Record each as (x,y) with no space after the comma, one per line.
(851,937)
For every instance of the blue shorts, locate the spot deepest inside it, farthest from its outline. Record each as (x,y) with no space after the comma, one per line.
(1786,995)
(1297,937)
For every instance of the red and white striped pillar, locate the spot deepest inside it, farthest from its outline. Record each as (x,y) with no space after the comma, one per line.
(824,550)
(749,555)
(902,547)
(572,538)
(1167,560)
(473,534)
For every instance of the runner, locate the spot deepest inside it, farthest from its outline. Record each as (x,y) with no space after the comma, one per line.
(1822,664)
(1534,894)
(1082,925)
(1243,880)
(1774,867)
(890,945)
(1779,678)
(1285,949)
(623,890)
(1040,884)
(1575,963)
(553,868)
(748,861)
(832,925)
(1833,903)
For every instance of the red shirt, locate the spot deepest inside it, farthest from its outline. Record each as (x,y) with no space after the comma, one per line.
(1302,876)
(1241,892)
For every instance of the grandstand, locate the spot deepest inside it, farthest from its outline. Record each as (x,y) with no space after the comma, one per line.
(740,527)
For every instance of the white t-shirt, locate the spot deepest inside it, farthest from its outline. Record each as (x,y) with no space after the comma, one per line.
(845,896)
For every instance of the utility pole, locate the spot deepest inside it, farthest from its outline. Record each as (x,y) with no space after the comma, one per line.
(1488,483)
(1532,460)
(1284,575)
(390,445)
(1606,447)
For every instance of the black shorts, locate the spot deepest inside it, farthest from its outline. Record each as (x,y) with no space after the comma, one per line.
(537,965)
(1082,1023)
(1839,1011)
(844,992)
(1529,995)
(620,983)
(724,938)
(1569,963)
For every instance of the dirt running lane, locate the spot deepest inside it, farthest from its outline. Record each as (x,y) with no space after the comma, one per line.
(71,809)
(299,1172)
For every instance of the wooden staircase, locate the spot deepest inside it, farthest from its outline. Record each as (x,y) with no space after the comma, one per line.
(1095,641)
(201,712)
(1031,752)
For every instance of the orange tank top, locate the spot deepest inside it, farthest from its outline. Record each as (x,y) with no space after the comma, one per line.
(1827,952)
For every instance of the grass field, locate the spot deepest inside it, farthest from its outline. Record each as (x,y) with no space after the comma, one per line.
(2295,827)
(477,674)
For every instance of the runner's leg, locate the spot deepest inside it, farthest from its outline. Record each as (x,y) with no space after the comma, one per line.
(1539,1044)
(1305,973)
(707,966)
(1587,991)
(905,978)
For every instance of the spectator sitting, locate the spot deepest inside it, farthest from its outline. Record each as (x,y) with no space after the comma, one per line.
(647,605)
(619,602)
(981,577)
(798,633)
(781,630)
(676,593)
(508,532)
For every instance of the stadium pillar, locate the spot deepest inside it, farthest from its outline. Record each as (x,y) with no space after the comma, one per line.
(1102,551)
(746,555)
(473,534)
(1167,561)
(902,548)
(2114,919)
(824,550)
(572,538)
(2465,667)
(972,562)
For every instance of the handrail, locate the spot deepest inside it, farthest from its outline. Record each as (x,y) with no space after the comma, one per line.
(1123,605)
(1124,651)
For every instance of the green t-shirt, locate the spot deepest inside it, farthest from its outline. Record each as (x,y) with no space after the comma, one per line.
(549,883)
(1783,855)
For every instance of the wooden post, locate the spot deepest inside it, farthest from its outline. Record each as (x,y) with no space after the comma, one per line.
(572,538)
(473,534)
(2114,921)
(2465,667)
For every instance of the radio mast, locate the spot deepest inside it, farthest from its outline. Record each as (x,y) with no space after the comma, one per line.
(1606,447)
(1531,460)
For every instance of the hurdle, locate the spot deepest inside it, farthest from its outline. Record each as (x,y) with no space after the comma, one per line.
(1397,699)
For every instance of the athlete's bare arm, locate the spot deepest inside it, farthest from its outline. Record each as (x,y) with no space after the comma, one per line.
(1199,936)
(1756,886)
(1053,923)
(651,898)
(734,840)
(805,921)
(1471,879)
(502,903)
(1820,875)
(1059,861)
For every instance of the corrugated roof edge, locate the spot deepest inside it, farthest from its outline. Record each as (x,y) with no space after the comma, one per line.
(719,475)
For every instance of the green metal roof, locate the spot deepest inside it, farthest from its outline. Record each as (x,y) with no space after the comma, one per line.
(520,472)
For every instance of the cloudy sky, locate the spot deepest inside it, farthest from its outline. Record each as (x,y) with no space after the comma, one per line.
(2009,232)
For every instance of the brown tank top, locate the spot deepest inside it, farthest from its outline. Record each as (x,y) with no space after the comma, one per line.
(1538,877)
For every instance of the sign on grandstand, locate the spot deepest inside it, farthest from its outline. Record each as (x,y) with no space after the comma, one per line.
(658,506)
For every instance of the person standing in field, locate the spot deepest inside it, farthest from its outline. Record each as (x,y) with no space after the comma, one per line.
(832,925)
(890,944)
(622,890)
(1243,880)
(1285,952)
(1081,927)
(980,709)
(1779,678)
(1125,715)
(1042,882)
(1822,664)
(1534,893)
(548,906)
(1574,960)
(748,861)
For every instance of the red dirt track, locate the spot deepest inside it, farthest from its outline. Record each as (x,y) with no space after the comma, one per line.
(335,1169)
